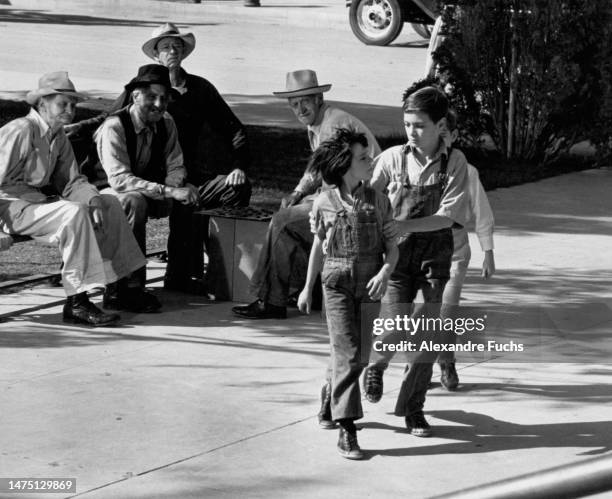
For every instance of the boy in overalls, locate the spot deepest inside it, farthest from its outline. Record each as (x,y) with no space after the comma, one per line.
(355,232)
(426,183)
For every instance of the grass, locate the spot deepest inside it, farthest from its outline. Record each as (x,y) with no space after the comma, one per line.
(279,156)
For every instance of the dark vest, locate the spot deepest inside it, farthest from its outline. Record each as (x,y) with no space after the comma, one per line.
(155,171)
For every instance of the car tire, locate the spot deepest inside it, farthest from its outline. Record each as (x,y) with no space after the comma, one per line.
(423,30)
(376,22)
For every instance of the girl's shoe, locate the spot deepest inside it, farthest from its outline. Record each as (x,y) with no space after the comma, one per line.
(348,446)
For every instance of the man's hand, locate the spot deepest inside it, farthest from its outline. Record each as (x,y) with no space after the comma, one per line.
(96,213)
(292,199)
(72,129)
(236,177)
(488,265)
(184,195)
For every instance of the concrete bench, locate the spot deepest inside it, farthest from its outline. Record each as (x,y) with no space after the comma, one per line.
(235,239)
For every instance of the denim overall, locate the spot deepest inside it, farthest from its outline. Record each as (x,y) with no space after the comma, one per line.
(354,255)
(424,264)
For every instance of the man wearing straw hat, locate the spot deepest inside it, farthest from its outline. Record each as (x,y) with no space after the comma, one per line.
(289,238)
(43,195)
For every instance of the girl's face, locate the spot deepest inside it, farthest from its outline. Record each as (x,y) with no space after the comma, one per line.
(362,167)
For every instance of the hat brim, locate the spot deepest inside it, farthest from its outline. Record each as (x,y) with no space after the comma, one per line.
(188,40)
(303,91)
(171,91)
(33,96)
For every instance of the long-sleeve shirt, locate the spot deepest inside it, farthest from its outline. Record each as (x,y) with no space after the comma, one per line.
(480,210)
(331,119)
(201,116)
(390,176)
(31,159)
(123,176)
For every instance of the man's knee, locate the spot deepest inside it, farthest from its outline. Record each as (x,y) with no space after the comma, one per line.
(240,195)
(135,207)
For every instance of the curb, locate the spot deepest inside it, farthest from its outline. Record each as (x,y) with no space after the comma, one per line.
(327,14)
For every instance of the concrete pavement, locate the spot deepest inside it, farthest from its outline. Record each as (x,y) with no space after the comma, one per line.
(196,403)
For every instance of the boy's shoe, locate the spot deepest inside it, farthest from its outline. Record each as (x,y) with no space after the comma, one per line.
(449,377)
(418,425)
(373,384)
(348,446)
(324,416)
(259,309)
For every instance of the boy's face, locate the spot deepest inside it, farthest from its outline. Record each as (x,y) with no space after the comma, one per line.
(423,134)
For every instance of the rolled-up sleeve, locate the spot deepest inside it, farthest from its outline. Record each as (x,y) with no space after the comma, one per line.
(113,154)
(455,198)
(483,214)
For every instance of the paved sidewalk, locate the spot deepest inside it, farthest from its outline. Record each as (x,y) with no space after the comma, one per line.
(195,403)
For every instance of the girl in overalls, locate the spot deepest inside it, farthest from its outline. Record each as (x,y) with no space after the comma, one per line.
(426,183)
(355,244)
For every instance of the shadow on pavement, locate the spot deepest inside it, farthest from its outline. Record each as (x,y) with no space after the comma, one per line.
(45,17)
(481,433)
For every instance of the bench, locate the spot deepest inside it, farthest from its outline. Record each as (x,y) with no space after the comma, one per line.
(235,239)
(7,240)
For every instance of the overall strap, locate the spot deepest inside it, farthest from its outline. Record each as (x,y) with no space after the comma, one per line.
(403,168)
(335,201)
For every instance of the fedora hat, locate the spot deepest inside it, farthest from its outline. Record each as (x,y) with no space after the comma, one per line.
(168,30)
(150,74)
(54,83)
(302,82)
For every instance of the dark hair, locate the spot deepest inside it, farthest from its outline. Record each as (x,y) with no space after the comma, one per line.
(334,156)
(428,100)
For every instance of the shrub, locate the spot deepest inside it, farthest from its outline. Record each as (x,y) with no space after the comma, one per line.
(535,75)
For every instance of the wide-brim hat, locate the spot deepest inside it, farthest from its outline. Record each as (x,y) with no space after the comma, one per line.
(54,83)
(168,30)
(151,74)
(302,82)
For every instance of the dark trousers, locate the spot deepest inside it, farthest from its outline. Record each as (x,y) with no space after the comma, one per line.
(187,232)
(284,256)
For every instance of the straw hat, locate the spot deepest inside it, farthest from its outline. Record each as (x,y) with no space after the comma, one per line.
(302,82)
(168,30)
(54,83)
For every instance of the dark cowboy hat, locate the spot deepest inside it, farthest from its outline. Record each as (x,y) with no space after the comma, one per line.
(151,74)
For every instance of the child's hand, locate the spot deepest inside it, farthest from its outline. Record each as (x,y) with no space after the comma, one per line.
(378,285)
(488,265)
(304,301)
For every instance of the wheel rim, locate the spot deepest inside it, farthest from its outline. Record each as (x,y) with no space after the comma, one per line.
(375,18)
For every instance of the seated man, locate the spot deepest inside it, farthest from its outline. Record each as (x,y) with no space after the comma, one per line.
(140,154)
(289,239)
(93,236)
(204,121)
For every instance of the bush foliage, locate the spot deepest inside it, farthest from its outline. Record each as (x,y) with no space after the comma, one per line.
(554,56)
